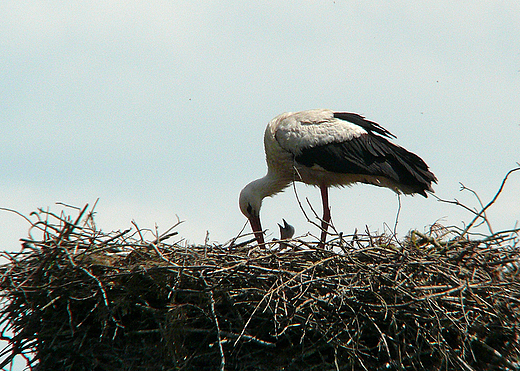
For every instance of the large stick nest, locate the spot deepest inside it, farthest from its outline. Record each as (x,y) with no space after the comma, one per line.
(77,298)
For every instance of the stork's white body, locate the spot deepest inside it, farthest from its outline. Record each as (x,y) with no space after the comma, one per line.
(288,134)
(325,148)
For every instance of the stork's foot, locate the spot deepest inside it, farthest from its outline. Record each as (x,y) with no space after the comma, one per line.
(323,240)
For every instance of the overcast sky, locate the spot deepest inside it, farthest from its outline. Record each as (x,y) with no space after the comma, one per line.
(158,108)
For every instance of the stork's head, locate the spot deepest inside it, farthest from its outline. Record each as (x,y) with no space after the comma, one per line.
(250,203)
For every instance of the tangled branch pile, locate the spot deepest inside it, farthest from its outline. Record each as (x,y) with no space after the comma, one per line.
(81,299)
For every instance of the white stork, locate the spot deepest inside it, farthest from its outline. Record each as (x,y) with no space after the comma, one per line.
(325,148)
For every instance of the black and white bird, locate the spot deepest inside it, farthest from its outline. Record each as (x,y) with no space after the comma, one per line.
(325,148)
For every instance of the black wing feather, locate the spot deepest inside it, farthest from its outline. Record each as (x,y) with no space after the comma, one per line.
(369,126)
(371,154)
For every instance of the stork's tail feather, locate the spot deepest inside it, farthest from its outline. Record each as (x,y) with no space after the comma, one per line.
(413,174)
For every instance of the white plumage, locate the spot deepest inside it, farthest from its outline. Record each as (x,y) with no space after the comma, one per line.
(326,148)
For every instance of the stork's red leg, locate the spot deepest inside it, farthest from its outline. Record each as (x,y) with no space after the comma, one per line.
(326,215)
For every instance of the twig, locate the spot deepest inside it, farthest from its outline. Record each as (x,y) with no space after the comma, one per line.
(484,216)
(217,326)
(134,223)
(397,214)
(115,237)
(482,212)
(167,234)
(302,208)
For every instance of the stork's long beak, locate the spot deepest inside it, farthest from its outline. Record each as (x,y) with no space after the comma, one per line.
(257,229)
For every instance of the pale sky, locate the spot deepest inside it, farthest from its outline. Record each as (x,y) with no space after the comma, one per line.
(158,108)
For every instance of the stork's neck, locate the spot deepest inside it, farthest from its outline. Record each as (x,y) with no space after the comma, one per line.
(268,185)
